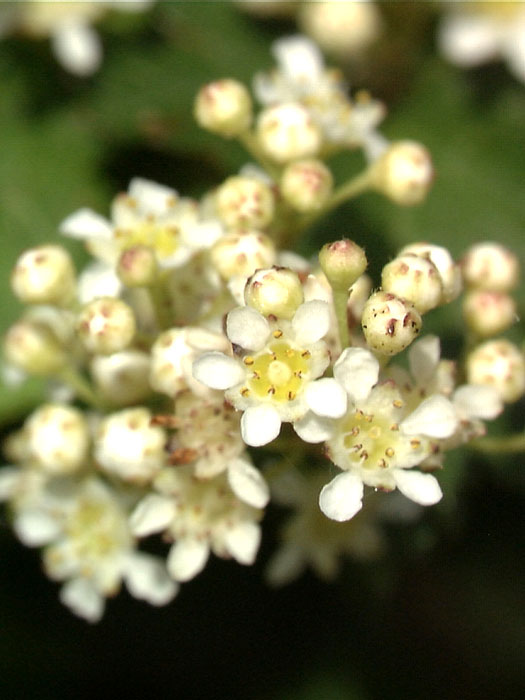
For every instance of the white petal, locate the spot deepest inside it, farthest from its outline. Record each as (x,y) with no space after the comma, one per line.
(286,565)
(85,223)
(248,483)
(218,371)
(311,321)
(205,233)
(77,47)
(243,542)
(421,488)
(187,558)
(326,397)
(423,358)
(36,528)
(98,279)
(357,370)
(476,401)
(9,480)
(151,197)
(298,57)
(467,39)
(147,579)
(248,328)
(260,425)
(152,514)
(312,428)
(342,498)
(434,417)
(83,599)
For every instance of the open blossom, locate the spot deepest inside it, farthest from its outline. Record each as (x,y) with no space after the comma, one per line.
(278,360)
(301,77)
(200,515)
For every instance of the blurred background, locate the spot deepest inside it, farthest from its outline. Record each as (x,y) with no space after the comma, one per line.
(441,614)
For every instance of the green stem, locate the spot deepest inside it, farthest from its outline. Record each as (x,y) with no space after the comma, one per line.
(82,388)
(351,189)
(340,297)
(161,301)
(502,445)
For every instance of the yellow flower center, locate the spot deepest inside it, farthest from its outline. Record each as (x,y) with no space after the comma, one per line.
(278,372)
(370,440)
(164,240)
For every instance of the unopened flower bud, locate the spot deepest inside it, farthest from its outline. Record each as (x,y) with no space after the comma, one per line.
(106,325)
(448,270)
(306,185)
(488,313)
(490,266)
(58,438)
(277,292)
(33,347)
(137,266)
(403,173)
(44,275)
(240,254)
(123,377)
(342,28)
(414,279)
(287,132)
(389,323)
(129,446)
(499,364)
(224,107)
(245,202)
(342,262)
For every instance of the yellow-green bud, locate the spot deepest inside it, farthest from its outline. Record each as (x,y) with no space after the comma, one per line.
(274,292)
(287,132)
(106,325)
(245,202)
(403,173)
(490,266)
(306,185)
(342,262)
(240,254)
(389,323)
(488,313)
(44,275)
(499,364)
(415,279)
(137,266)
(224,107)
(32,347)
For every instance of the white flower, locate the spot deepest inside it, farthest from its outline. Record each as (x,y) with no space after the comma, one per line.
(199,515)
(270,384)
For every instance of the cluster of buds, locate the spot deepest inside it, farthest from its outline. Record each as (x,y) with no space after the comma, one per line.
(192,336)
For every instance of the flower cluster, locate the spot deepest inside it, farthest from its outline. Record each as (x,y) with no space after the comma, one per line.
(196,333)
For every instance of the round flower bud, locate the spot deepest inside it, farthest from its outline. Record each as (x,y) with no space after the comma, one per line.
(137,267)
(245,202)
(414,279)
(287,132)
(58,438)
(389,323)
(306,185)
(488,313)
(106,325)
(403,173)
(448,270)
(490,266)
(342,28)
(276,292)
(123,377)
(342,262)
(224,107)
(499,364)
(129,446)
(240,254)
(32,347)
(44,275)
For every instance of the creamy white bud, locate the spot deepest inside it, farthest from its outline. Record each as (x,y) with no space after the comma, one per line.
(123,377)
(490,266)
(343,262)
(58,438)
(106,325)
(32,347)
(240,254)
(499,364)
(224,107)
(287,132)
(488,313)
(245,202)
(389,323)
(277,291)
(306,185)
(44,275)
(415,279)
(137,266)
(448,270)
(403,173)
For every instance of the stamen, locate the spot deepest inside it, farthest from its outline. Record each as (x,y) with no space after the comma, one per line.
(248,360)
